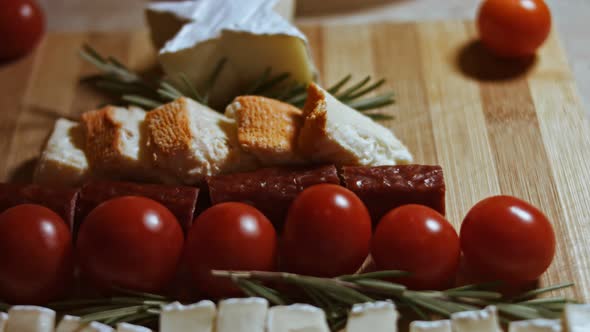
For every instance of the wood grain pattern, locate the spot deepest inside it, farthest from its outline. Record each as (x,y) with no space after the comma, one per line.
(496,127)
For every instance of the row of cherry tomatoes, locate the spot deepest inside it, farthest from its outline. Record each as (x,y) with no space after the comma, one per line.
(136,243)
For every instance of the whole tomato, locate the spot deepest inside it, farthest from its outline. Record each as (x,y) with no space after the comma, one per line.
(130,242)
(505,238)
(514,28)
(21,27)
(229,236)
(36,255)
(327,232)
(419,240)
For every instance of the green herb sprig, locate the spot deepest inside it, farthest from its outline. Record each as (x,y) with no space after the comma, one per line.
(129,87)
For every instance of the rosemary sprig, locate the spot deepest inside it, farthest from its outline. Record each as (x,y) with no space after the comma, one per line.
(129,87)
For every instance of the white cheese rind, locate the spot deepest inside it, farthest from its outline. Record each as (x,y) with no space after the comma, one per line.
(198,317)
(22,318)
(577,317)
(485,320)
(296,317)
(431,326)
(68,324)
(3,319)
(536,325)
(126,327)
(242,315)
(378,316)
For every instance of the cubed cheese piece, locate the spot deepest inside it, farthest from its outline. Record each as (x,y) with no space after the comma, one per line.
(577,317)
(95,327)
(126,327)
(23,318)
(296,318)
(198,317)
(63,161)
(536,325)
(68,324)
(485,320)
(335,133)
(3,319)
(190,141)
(242,315)
(431,326)
(378,316)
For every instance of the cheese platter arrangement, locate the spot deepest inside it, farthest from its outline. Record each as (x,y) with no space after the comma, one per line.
(251,183)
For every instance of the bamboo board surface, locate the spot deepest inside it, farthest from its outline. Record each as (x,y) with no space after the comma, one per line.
(495,127)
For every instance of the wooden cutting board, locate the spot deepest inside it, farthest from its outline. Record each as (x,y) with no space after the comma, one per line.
(495,126)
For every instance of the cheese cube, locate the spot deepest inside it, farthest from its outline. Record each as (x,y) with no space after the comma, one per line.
(577,317)
(68,324)
(372,316)
(22,318)
(126,327)
(95,327)
(296,317)
(3,319)
(485,320)
(198,317)
(242,315)
(431,326)
(536,325)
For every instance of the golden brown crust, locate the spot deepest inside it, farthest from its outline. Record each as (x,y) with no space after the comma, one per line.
(102,140)
(268,128)
(169,128)
(316,118)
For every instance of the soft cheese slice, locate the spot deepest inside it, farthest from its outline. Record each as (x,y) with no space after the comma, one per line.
(431,326)
(378,316)
(116,143)
(267,128)
(242,315)
(63,161)
(190,141)
(126,327)
(3,319)
(485,320)
(577,317)
(296,318)
(198,317)
(68,324)
(335,133)
(22,318)
(536,325)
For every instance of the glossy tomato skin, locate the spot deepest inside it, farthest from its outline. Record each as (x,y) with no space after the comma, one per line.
(21,26)
(229,236)
(130,242)
(514,28)
(419,240)
(36,255)
(505,238)
(327,232)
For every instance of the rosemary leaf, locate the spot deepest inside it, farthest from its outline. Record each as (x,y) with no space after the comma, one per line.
(193,93)
(379,117)
(549,300)
(262,291)
(102,315)
(366,90)
(375,275)
(141,101)
(373,102)
(539,291)
(383,287)
(336,87)
(518,311)
(271,83)
(261,80)
(484,295)
(480,286)
(344,95)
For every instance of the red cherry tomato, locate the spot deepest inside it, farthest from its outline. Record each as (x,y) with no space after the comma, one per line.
(21,27)
(514,28)
(229,236)
(327,232)
(505,238)
(417,239)
(36,255)
(130,242)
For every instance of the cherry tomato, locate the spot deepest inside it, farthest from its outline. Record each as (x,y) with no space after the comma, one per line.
(21,27)
(229,236)
(130,242)
(36,255)
(419,240)
(327,232)
(505,238)
(514,28)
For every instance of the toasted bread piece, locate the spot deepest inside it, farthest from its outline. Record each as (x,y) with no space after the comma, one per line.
(190,141)
(116,143)
(267,128)
(335,133)
(63,161)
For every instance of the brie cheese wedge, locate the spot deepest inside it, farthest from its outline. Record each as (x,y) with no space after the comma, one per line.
(431,326)
(378,316)
(296,318)
(24,318)
(3,319)
(536,325)
(68,324)
(577,317)
(485,320)
(242,315)
(198,317)
(126,327)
